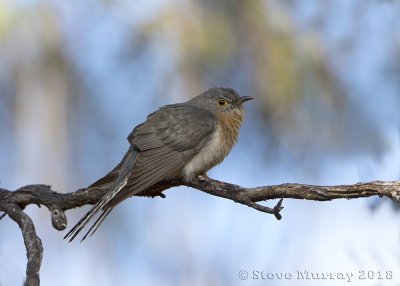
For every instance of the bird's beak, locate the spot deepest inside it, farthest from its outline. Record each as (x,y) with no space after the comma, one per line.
(245,98)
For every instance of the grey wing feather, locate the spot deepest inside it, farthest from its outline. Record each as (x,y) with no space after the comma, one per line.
(167,141)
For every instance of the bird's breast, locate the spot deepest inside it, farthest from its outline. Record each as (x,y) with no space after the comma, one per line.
(218,146)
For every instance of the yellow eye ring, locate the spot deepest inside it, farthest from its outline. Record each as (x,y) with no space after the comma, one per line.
(222,102)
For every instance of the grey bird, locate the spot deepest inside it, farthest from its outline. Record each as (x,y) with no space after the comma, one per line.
(181,140)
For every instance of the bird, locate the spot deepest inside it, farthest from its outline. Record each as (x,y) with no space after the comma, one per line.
(182,140)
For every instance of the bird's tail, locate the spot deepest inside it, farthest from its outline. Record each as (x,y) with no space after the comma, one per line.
(117,179)
(91,214)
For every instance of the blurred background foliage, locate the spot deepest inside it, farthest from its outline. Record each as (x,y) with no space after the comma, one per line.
(77,76)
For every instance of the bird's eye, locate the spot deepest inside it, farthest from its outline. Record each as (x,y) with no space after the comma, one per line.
(222,102)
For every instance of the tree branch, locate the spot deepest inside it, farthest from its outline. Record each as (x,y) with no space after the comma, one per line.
(33,244)
(13,203)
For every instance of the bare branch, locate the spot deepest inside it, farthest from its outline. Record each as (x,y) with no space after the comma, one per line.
(12,203)
(33,244)
(294,191)
(250,196)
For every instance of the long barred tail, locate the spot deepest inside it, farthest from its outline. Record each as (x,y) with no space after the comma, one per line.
(121,172)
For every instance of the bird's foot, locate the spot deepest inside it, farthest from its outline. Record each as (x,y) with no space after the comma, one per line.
(203,177)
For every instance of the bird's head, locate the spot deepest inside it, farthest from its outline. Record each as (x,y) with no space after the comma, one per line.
(221,100)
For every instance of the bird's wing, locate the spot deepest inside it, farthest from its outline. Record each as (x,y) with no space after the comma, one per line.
(167,141)
(160,147)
